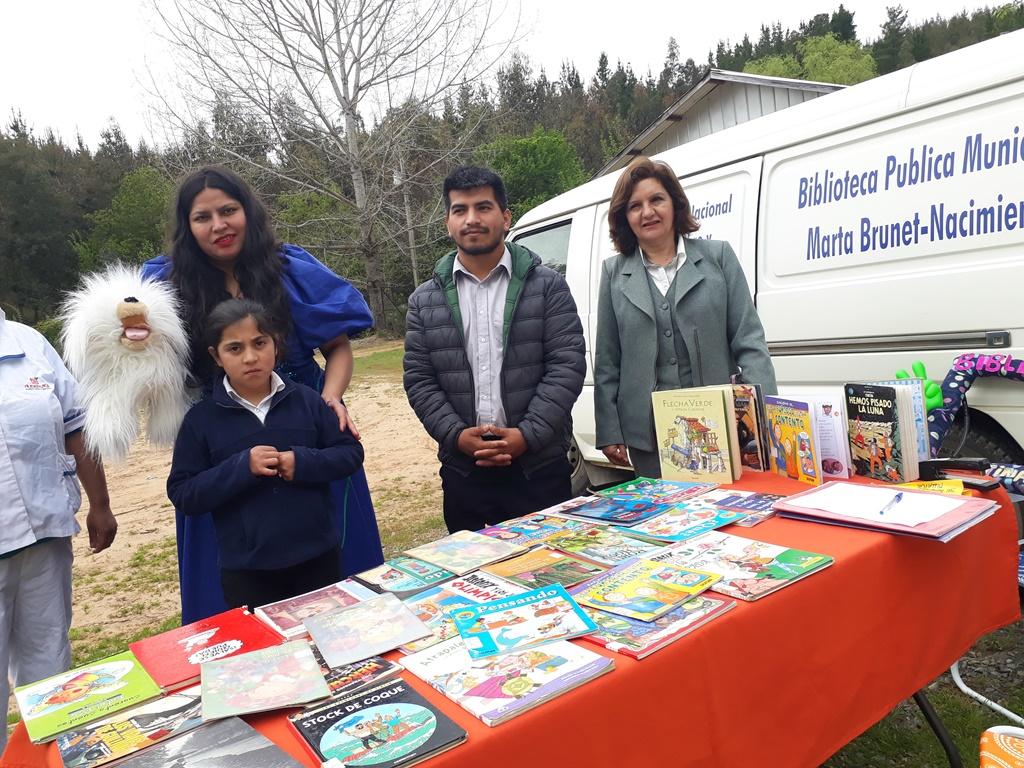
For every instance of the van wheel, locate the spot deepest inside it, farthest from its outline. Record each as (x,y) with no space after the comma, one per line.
(580,479)
(982,440)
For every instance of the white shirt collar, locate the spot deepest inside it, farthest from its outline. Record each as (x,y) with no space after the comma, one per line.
(679,258)
(505,261)
(276,385)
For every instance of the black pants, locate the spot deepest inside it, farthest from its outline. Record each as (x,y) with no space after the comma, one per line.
(490,495)
(259,587)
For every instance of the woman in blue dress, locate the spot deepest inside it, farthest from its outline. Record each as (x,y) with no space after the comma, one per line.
(223,246)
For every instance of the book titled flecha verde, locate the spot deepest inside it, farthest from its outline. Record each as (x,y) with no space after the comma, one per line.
(83,695)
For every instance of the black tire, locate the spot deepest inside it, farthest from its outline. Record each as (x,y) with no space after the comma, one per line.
(580,479)
(983,440)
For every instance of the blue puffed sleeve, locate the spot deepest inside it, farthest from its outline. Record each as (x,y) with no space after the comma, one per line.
(158,268)
(324,306)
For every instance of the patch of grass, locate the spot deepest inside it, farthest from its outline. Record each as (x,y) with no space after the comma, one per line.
(152,566)
(91,643)
(387,363)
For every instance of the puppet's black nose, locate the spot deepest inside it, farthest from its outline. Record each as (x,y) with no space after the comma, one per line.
(130,300)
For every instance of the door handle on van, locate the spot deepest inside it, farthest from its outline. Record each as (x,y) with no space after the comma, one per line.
(894,343)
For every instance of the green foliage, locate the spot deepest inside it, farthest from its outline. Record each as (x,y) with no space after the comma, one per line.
(131,229)
(828,60)
(534,168)
(51,328)
(775,66)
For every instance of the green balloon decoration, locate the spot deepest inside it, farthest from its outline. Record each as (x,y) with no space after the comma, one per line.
(932,391)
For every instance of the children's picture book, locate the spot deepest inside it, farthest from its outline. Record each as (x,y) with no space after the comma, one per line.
(655,491)
(750,426)
(497,688)
(432,606)
(465,551)
(127,732)
(639,639)
(602,545)
(793,449)
(687,519)
(536,528)
(173,658)
(403,576)
(876,432)
(81,696)
(521,621)
(349,678)
(749,569)
(385,726)
(284,675)
(542,566)
(286,616)
(757,507)
(696,434)
(230,742)
(830,437)
(625,513)
(365,629)
(919,411)
(643,589)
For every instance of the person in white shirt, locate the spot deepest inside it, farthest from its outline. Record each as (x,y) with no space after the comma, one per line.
(42,458)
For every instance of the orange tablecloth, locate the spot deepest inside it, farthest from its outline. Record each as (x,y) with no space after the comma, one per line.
(784,681)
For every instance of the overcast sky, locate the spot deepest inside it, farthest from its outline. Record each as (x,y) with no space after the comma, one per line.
(71,65)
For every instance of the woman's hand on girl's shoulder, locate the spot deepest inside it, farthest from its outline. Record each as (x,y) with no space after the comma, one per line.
(344,419)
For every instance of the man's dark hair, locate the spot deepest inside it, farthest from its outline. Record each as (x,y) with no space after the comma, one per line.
(473,177)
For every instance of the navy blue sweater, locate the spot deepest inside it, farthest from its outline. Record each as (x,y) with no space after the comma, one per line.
(262,522)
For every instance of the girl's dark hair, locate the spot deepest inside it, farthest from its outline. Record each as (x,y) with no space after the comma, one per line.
(229,312)
(200,284)
(644,168)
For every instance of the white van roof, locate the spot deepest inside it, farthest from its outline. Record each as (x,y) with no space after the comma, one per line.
(974,68)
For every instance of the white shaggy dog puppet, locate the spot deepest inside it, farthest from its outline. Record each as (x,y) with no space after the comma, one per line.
(124,342)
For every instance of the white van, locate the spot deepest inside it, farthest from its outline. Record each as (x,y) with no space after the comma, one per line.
(878,225)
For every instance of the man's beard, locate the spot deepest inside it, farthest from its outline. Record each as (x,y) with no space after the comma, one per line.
(481,248)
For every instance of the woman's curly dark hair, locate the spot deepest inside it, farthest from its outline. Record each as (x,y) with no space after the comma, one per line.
(200,284)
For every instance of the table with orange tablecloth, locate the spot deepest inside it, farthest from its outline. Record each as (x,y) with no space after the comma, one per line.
(784,681)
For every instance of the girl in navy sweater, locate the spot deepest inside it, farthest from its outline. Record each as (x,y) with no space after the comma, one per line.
(258,454)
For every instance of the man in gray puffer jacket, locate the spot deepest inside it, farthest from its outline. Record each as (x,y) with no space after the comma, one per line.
(494,360)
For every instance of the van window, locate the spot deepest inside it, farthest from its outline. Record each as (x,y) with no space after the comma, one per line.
(550,243)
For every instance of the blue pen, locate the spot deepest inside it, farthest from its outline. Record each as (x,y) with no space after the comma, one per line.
(892,503)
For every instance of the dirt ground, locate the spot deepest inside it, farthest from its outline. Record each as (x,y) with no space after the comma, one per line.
(133,584)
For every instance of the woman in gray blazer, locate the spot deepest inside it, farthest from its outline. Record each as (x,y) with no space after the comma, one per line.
(673,311)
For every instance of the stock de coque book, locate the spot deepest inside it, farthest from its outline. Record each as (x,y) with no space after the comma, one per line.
(173,658)
(497,688)
(385,726)
(131,730)
(80,696)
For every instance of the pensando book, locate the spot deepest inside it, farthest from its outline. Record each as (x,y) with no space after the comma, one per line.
(131,730)
(602,545)
(639,639)
(655,491)
(83,695)
(285,675)
(643,589)
(687,519)
(403,576)
(226,743)
(749,569)
(432,606)
(542,566)
(625,513)
(349,678)
(791,438)
(366,629)
(465,551)
(522,621)
(386,726)
(286,616)
(757,507)
(173,658)
(498,688)
(696,434)
(904,511)
(536,528)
